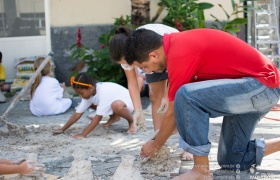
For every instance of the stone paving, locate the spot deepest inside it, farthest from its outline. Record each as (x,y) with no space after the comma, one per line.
(270,168)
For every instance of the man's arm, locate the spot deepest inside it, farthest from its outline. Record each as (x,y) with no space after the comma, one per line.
(167,128)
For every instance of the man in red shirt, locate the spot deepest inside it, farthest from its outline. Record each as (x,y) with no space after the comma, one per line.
(211,73)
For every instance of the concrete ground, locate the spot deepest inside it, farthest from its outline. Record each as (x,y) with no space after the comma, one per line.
(269,169)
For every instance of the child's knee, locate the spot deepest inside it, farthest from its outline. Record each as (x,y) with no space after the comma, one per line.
(118,105)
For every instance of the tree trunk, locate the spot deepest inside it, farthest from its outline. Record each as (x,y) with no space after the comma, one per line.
(140,12)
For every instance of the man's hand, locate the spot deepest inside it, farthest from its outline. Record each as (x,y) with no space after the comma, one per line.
(139,120)
(78,136)
(149,149)
(58,131)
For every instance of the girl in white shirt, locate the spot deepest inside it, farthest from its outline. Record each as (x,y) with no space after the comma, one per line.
(46,93)
(109,99)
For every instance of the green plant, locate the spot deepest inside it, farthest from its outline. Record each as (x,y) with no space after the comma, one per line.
(99,62)
(232,25)
(185,14)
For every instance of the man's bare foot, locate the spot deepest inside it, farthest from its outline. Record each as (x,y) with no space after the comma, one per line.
(132,129)
(111,121)
(186,156)
(195,174)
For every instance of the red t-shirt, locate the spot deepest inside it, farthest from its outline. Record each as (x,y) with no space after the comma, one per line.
(207,54)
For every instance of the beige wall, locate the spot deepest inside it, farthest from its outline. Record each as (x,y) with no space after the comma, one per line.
(217,11)
(85,12)
(76,12)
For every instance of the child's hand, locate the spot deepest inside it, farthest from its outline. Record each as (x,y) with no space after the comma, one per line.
(58,131)
(78,136)
(24,169)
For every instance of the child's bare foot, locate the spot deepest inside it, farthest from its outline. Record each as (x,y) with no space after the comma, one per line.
(111,121)
(132,129)
(186,156)
(195,174)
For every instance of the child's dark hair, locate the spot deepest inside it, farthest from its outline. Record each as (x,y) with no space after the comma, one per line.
(117,43)
(84,78)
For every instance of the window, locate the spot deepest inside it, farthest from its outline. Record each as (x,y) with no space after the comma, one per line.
(22,18)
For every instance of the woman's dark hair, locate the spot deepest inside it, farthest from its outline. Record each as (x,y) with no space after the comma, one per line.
(140,44)
(117,43)
(84,78)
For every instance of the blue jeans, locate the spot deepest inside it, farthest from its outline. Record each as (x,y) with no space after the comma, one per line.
(242,102)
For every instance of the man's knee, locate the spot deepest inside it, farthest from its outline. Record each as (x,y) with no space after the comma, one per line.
(181,94)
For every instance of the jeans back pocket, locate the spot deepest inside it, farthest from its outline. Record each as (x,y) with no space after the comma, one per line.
(265,100)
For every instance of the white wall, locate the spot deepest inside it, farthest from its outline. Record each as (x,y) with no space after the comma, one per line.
(13,48)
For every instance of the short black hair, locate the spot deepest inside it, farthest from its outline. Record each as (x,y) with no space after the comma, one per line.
(117,43)
(140,44)
(0,56)
(86,78)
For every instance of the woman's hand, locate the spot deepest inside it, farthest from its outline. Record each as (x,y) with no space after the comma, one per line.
(139,120)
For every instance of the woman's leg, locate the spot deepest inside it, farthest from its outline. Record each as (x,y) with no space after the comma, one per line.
(156,93)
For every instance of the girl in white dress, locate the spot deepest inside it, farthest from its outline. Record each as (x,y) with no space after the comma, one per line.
(109,99)
(47,94)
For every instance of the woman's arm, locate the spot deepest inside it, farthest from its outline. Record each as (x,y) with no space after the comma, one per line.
(133,89)
(140,80)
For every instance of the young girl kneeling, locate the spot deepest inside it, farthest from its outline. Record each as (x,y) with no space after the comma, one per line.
(106,97)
